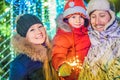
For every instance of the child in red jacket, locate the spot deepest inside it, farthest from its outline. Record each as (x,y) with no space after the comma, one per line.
(71,42)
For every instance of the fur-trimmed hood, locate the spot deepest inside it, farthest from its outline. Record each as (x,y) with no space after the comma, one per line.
(61,24)
(35,52)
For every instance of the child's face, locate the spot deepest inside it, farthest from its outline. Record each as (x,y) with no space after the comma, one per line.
(76,21)
(99,19)
(36,34)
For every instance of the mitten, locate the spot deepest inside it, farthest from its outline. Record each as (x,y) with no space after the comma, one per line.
(65,70)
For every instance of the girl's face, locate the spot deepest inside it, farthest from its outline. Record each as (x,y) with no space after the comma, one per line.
(99,19)
(76,21)
(36,34)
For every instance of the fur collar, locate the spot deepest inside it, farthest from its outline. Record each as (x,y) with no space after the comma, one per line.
(35,52)
(61,24)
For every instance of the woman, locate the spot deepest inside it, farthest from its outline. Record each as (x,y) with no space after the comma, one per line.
(33,47)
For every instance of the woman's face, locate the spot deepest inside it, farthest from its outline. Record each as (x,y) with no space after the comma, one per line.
(36,34)
(76,21)
(99,19)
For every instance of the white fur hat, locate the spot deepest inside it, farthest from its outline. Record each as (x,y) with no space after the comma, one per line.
(101,5)
(98,5)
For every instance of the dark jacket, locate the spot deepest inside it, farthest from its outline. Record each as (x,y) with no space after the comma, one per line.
(23,68)
(32,61)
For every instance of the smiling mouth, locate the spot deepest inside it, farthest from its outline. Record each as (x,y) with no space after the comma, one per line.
(39,37)
(77,24)
(98,27)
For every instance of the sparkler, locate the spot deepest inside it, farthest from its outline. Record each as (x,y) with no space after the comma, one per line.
(75,63)
(76,66)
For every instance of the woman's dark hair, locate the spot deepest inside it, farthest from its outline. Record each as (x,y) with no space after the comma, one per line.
(86,21)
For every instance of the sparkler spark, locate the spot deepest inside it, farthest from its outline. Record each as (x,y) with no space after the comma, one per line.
(75,63)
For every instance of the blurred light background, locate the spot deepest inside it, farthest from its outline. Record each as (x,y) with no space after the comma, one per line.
(46,10)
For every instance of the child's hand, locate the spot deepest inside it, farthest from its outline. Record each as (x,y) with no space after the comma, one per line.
(65,70)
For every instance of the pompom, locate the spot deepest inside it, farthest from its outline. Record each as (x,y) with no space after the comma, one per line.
(71,4)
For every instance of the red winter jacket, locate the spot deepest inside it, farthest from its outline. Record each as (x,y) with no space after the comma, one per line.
(69,43)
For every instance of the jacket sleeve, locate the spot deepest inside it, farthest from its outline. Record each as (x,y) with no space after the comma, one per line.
(60,50)
(17,71)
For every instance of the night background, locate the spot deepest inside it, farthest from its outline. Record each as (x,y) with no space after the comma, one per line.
(46,10)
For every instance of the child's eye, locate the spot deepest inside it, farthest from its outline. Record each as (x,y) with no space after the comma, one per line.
(73,16)
(80,17)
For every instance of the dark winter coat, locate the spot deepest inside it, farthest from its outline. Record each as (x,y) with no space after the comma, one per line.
(24,68)
(28,65)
